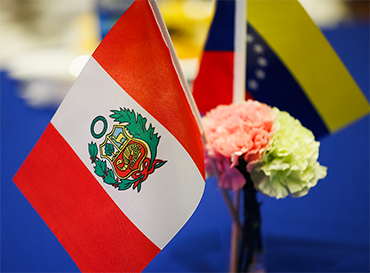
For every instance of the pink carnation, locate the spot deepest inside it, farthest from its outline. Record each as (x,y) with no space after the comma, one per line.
(239,130)
(230,178)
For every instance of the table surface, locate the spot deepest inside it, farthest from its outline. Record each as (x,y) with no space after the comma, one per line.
(325,231)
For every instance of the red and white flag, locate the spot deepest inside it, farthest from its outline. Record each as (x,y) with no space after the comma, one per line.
(119,169)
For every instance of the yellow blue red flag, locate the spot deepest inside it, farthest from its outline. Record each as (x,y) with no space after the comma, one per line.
(290,65)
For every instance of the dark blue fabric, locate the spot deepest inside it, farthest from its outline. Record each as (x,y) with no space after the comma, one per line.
(221,33)
(27,244)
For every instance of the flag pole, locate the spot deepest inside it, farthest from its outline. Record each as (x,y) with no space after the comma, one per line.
(240,60)
(240,52)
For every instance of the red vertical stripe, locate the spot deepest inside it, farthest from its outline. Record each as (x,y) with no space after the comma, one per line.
(86,221)
(135,55)
(214,83)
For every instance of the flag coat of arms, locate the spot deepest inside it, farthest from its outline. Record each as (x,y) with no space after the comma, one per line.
(289,64)
(119,169)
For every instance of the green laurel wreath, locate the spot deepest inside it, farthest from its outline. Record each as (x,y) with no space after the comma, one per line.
(100,167)
(136,125)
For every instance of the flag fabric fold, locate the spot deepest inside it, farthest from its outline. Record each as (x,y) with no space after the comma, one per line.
(290,65)
(119,169)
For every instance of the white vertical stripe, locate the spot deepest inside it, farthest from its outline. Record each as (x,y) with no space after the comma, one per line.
(240,55)
(170,195)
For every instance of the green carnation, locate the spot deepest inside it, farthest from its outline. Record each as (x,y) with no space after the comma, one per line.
(289,164)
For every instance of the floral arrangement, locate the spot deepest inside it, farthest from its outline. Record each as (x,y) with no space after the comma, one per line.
(252,146)
(280,154)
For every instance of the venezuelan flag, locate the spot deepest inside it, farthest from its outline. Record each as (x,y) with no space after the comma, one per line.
(290,65)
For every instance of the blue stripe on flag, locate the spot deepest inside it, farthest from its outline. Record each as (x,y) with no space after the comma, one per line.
(221,33)
(269,81)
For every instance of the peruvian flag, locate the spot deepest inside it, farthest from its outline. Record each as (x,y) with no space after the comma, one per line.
(119,169)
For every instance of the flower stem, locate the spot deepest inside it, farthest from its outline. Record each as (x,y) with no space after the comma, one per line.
(251,241)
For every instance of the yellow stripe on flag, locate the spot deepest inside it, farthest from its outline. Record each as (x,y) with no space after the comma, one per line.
(301,46)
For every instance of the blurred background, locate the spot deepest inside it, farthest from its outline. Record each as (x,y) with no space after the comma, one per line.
(44,44)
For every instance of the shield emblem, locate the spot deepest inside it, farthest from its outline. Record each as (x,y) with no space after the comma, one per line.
(125,153)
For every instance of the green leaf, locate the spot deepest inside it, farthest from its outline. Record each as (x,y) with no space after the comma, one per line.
(93,149)
(124,116)
(109,149)
(139,187)
(101,167)
(125,185)
(109,178)
(152,140)
(159,164)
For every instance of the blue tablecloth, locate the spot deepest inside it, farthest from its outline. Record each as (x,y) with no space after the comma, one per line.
(326,231)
